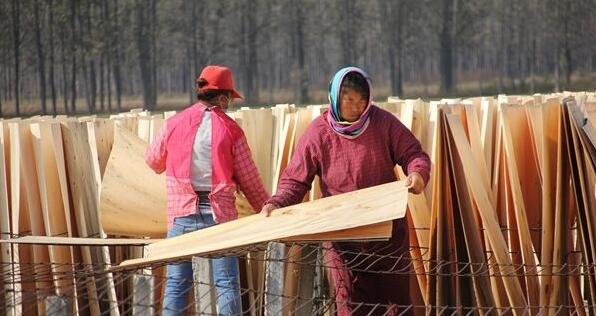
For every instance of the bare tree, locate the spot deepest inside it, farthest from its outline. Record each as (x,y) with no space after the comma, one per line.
(446,43)
(73,52)
(116,54)
(248,49)
(16,39)
(143,34)
(40,58)
(103,51)
(392,27)
(52,61)
(298,39)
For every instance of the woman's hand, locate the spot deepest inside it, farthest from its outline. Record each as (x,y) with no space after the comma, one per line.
(415,183)
(266,210)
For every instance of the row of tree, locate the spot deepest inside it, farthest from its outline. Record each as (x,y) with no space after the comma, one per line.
(64,51)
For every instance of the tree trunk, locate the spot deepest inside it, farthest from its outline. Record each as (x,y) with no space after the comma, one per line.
(87,62)
(298,18)
(153,25)
(116,57)
(73,51)
(502,56)
(187,75)
(348,36)
(109,83)
(64,69)
(446,54)
(52,79)
(567,50)
(557,76)
(391,26)
(191,71)
(101,82)
(40,58)
(532,62)
(248,55)
(16,39)
(144,47)
(193,39)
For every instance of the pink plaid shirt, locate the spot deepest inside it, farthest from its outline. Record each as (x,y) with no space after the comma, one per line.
(232,164)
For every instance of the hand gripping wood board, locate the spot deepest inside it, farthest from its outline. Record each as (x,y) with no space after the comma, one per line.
(349,210)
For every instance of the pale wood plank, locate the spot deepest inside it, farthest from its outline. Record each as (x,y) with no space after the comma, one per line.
(100,138)
(45,147)
(82,173)
(487,131)
(279,113)
(579,180)
(418,265)
(258,129)
(521,214)
(373,205)
(499,201)
(284,149)
(157,123)
(19,215)
(133,200)
(29,180)
(549,155)
(5,221)
(79,241)
(479,267)
(436,206)
(144,129)
(476,145)
(489,219)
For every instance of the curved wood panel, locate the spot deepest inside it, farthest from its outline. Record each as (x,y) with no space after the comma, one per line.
(133,197)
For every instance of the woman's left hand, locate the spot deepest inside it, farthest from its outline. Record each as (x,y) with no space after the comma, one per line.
(415,183)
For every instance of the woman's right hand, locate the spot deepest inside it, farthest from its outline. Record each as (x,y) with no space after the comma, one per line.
(267,209)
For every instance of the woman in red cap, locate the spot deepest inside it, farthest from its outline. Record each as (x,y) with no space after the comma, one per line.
(206,159)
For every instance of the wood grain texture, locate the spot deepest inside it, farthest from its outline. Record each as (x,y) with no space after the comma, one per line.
(521,201)
(489,219)
(363,207)
(133,200)
(48,151)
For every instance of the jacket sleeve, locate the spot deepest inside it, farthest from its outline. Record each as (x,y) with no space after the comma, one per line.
(156,153)
(298,175)
(247,175)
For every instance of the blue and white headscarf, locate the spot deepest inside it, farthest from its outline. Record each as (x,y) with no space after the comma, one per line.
(334,118)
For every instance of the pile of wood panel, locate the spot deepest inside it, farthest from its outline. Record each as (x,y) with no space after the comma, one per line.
(511,205)
(506,221)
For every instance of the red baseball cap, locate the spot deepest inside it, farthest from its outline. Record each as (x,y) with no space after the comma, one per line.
(218,78)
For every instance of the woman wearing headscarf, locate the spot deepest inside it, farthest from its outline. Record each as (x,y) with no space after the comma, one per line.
(352,146)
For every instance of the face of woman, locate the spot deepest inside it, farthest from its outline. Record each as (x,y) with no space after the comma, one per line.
(351,105)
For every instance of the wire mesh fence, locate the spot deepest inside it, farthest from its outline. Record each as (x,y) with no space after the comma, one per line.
(65,289)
